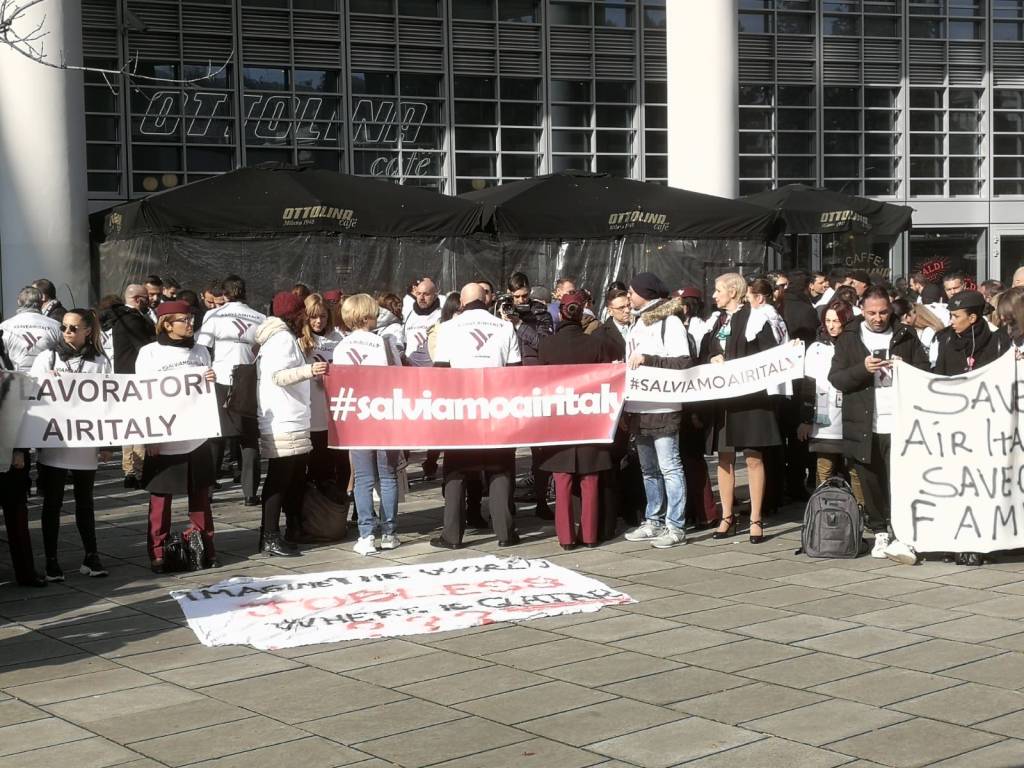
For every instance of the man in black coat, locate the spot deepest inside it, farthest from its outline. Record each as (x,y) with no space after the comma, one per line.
(132,329)
(968,343)
(862,371)
(613,331)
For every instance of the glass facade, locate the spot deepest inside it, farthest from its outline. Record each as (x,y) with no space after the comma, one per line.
(453,95)
(901,99)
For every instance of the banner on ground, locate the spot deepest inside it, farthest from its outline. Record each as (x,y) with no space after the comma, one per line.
(957,459)
(387,407)
(85,410)
(718,381)
(288,611)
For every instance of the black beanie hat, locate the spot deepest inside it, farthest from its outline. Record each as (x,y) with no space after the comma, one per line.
(649,286)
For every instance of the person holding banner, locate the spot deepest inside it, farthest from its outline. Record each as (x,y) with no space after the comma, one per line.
(328,468)
(821,405)
(570,464)
(372,467)
(283,394)
(744,423)
(79,351)
(862,371)
(658,339)
(183,466)
(229,332)
(477,339)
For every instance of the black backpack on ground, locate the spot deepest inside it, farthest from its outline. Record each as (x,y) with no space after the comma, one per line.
(833,522)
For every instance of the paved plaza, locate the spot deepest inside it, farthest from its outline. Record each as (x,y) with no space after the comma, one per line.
(734,655)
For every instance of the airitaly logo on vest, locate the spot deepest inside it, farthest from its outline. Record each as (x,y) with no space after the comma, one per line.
(837,219)
(345,217)
(622,222)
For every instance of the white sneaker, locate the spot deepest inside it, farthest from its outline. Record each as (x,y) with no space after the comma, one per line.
(645,532)
(901,553)
(670,537)
(390,541)
(365,546)
(881,542)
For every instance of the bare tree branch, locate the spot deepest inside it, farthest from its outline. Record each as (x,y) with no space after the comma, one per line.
(31,45)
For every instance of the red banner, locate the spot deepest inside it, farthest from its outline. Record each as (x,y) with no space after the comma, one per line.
(386,407)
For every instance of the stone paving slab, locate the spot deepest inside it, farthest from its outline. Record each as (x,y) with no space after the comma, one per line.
(734,655)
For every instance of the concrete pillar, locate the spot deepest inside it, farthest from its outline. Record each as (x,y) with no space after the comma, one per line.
(44,230)
(703,93)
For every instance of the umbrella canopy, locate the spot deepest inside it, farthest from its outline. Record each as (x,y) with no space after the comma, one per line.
(576,205)
(813,211)
(259,202)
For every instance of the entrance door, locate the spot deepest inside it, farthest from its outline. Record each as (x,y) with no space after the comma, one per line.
(1007,253)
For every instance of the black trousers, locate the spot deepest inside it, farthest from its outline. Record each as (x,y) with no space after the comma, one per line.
(874,479)
(245,451)
(540,479)
(284,489)
(328,465)
(496,466)
(51,480)
(14,500)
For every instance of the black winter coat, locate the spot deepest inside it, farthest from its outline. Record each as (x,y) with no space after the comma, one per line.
(981,343)
(748,421)
(613,340)
(132,331)
(850,377)
(571,346)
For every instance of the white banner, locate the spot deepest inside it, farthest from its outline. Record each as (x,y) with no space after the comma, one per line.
(718,381)
(85,410)
(957,459)
(288,611)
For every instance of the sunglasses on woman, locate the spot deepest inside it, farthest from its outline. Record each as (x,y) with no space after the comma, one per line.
(70,328)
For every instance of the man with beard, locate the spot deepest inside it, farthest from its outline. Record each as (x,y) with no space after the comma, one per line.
(862,371)
(426,311)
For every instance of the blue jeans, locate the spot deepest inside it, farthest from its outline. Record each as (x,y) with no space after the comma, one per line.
(664,482)
(370,468)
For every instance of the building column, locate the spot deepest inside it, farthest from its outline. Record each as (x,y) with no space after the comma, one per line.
(703,94)
(44,229)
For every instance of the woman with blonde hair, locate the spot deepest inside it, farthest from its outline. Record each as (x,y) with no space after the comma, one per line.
(744,423)
(371,467)
(327,469)
(183,466)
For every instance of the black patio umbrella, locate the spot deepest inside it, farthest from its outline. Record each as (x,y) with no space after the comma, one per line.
(253,202)
(813,211)
(577,205)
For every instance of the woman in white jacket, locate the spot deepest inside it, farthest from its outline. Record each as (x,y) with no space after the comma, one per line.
(327,469)
(283,395)
(181,466)
(79,351)
(364,347)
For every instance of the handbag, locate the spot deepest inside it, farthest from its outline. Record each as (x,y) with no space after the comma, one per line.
(241,398)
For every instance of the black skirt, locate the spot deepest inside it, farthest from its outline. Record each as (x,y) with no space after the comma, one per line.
(175,475)
(745,422)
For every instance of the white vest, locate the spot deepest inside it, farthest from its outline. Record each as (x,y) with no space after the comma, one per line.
(156,358)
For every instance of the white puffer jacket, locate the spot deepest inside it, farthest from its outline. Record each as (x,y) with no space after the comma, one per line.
(282,391)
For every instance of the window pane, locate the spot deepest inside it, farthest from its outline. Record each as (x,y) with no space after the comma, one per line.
(750,143)
(926,121)
(481,139)
(316,80)
(926,167)
(615,141)
(657,141)
(796,143)
(926,98)
(759,167)
(615,117)
(475,165)
(473,9)
(842,143)
(564,13)
(842,167)
(842,119)
(752,119)
(563,115)
(614,91)
(616,166)
(840,25)
(796,96)
(570,90)
(842,97)
(520,88)
(265,79)
(520,114)
(475,87)
(964,167)
(570,141)
(926,144)
(373,82)
(613,16)
(475,112)
(520,165)
(879,144)
(796,167)
(520,140)
(417,7)
(964,121)
(796,120)
(517,10)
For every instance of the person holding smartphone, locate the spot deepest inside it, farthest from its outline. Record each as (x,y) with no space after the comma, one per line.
(862,371)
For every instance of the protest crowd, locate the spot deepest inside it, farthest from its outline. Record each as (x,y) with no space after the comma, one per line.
(653,477)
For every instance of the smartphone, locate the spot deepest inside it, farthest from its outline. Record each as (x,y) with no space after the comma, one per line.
(880,354)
